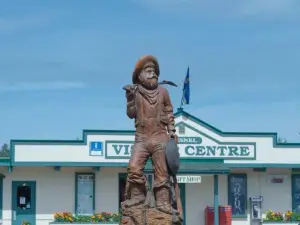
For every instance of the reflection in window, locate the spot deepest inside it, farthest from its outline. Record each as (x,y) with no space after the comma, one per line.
(24,197)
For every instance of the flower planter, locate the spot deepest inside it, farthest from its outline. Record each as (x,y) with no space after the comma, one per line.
(281,222)
(108,223)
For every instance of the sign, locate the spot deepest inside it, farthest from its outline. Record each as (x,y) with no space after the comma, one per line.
(237,193)
(96,148)
(201,147)
(188,179)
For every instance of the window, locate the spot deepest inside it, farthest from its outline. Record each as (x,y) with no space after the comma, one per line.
(181,129)
(237,194)
(296,192)
(85,193)
(24,197)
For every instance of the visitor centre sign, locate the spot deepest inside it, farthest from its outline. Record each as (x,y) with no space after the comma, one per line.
(191,147)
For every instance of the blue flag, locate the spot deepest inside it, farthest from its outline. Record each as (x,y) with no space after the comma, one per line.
(186,89)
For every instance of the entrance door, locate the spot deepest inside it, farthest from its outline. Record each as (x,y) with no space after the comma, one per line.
(85,194)
(23,202)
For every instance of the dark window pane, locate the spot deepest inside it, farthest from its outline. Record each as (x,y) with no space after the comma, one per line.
(24,197)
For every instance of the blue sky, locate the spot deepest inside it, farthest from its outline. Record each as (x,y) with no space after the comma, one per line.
(63,63)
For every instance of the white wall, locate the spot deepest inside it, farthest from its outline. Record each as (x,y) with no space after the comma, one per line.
(199,196)
(276,196)
(55,191)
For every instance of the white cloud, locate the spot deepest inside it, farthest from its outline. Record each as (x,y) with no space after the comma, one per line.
(41,86)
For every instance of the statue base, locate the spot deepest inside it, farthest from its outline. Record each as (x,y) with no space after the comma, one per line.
(143,215)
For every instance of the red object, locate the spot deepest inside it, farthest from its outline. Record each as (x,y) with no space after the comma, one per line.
(209,215)
(225,215)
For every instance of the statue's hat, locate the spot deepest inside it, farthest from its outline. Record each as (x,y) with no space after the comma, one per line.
(140,65)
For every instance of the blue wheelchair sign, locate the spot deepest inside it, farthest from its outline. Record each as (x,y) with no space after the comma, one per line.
(96,148)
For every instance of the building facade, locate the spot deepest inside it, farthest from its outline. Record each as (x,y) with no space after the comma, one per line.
(43,177)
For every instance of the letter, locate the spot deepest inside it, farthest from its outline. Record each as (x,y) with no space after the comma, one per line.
(233,151)
(117,150)
(131,149)
(190,153)
(198,140)
(180,140)
(245,151)
(126,152)
(200,150)
(222,150)
(211,150)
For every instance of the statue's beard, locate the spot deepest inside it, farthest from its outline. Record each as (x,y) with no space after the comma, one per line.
(150,83)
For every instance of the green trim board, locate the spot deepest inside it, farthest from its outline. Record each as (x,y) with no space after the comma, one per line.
(237,182)
(4,161)
(77,174)
(124,165)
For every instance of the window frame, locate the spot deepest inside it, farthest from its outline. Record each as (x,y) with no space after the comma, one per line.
(229,199)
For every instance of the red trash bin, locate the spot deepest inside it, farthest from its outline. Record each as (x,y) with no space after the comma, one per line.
(209,215)
(225,215)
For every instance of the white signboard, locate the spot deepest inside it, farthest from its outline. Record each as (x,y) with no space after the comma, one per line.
(188,179)
(190,147)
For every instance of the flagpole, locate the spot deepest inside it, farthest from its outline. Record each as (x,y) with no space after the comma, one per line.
(181,104)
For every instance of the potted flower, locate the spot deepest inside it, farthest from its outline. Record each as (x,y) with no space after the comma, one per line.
(97,218)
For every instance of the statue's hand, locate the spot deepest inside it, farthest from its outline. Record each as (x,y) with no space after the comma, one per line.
(130,92)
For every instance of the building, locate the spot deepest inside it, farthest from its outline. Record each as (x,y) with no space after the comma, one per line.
(83,176)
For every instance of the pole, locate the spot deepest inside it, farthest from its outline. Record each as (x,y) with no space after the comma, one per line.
(216,199)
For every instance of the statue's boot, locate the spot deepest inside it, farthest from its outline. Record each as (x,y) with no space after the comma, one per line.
(163,201)
(137,195)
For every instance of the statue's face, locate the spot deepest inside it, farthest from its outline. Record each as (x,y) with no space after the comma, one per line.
(148,77)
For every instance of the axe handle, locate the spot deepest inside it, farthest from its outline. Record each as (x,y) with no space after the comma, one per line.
(177,193)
